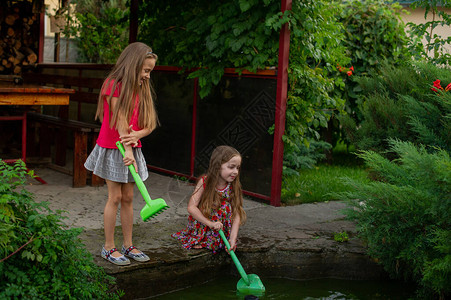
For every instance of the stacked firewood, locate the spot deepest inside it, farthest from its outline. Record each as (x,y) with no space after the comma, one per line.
(19,37)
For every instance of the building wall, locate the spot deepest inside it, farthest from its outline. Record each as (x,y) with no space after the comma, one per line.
(49,50)
(68,51)
(417,17)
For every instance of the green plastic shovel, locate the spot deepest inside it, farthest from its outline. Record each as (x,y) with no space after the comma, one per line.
(152,207)
(249,284)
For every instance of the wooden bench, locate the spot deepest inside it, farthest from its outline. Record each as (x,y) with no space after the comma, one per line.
(76,119)
(83,132)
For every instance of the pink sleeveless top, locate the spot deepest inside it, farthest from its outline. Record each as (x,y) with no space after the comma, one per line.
(109,136)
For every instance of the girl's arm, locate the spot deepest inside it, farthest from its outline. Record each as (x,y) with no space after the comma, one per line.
(122,128)
(132,137)
(194,211)
(234,232)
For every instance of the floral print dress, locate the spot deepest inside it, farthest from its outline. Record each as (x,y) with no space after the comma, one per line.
(197,233)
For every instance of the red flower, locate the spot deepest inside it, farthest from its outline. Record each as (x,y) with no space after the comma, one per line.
(437,85)
(448,87)
(344,70)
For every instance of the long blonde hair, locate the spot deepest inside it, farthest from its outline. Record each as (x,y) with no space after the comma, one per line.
(127,73)
(210,199)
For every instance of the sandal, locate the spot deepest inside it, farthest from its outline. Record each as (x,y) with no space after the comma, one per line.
(120,261)
(136,256)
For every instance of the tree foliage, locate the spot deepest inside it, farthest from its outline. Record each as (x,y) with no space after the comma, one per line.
(374,33)
(208,36)
(100,29)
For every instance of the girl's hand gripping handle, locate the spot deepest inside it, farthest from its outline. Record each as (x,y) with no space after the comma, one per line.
(138,180)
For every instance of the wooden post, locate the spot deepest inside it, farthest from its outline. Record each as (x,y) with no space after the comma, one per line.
(41,37)
(56,48)
(133,21)
(80,156)
(281,104)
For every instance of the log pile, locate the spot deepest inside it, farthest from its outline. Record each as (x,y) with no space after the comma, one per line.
(19,37)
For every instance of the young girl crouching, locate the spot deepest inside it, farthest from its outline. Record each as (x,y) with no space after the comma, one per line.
(216,203)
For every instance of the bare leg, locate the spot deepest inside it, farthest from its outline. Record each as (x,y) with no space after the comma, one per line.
(127,214)
(110,212)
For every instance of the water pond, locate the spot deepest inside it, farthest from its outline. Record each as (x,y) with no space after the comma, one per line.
(278,288)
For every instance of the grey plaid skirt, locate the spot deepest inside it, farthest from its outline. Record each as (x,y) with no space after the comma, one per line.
(108,164)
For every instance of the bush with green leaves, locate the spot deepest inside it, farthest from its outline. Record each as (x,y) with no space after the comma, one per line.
(355,38)
(314,84)
(405,215)
(400,102)
(39,257)
(100,29)
(373,33)
(305,157)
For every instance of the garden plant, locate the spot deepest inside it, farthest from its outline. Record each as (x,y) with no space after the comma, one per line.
(40,258)
(407,103)
(404,215)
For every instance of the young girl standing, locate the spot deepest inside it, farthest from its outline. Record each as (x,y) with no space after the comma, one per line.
(216,203)
(126,110)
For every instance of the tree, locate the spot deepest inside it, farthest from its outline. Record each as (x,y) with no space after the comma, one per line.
(435,48)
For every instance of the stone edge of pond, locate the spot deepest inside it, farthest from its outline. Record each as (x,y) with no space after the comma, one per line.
(297,254)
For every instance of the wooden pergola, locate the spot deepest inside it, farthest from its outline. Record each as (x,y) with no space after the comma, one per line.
(281,91)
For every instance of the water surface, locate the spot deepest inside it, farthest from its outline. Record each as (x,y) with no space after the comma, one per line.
(277,288)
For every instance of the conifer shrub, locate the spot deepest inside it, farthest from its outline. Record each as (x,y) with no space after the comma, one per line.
(406,103)
(39,257)
(405,216)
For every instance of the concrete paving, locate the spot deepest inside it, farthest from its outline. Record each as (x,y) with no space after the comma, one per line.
(84,206)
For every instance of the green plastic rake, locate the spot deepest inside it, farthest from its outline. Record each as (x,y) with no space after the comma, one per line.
(152,207)
(249,284)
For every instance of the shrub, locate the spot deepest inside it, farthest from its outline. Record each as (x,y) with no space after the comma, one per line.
(400,103)
(304,157)
(40,257)
(374,32)
(405,216)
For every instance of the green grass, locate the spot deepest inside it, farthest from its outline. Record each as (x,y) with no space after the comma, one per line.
(316,185)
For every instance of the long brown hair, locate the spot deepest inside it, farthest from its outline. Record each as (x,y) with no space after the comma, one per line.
(210,198)
(127,73)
